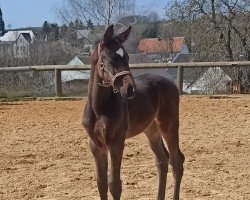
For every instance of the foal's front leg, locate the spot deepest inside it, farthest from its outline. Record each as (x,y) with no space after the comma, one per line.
(115,185)
(101,161)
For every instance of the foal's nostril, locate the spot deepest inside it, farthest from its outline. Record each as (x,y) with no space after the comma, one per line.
(130,91)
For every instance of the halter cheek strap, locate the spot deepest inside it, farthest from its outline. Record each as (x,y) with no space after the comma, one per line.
(112,77)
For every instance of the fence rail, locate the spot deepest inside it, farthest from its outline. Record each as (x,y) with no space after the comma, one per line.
(180,69)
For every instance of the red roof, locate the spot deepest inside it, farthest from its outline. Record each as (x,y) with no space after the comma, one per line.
(154,45)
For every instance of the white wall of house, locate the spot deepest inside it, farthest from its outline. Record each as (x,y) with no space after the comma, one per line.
(72,75)
(21,47)
(6,50)
(18,46)
(213,80)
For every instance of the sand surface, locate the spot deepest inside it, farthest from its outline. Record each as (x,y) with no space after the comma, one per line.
(44,153)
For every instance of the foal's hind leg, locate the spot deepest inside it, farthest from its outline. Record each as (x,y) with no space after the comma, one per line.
(161,156)
(170,133)
(101,160)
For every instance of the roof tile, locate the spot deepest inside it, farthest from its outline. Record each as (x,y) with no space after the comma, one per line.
(155,45)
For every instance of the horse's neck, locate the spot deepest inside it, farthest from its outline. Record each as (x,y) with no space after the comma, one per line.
(98,96)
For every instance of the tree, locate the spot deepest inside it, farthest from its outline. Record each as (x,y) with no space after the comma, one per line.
(45,30)
(9,26)
(48,53)
(54,34)
(63,30)
(219,25)
(153,17)
(219,30)
(99,11)
(50,32)
(152,31)
(78,24)
(90,24)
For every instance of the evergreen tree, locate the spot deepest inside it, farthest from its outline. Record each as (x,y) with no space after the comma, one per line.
(78,24)
(45,30)
(90,24)
(2,24)
(71,25)
(152,31)
(54,34)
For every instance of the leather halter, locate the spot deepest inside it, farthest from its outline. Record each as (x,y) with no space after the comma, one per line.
(102,67)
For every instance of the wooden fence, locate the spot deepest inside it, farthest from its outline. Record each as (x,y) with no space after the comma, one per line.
(180,69)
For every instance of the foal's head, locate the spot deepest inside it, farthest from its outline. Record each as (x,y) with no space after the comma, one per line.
(112,63)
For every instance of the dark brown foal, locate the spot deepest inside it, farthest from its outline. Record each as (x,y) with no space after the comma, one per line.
(121,107)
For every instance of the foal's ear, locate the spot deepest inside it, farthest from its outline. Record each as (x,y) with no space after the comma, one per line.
(123,36)
(109,33)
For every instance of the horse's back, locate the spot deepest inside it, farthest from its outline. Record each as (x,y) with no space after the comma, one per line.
(155,95)
(156,87)
(150,81)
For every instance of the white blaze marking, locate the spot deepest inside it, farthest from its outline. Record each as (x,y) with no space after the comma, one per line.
(120,52)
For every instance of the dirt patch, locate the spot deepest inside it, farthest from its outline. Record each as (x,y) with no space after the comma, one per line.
(44,152)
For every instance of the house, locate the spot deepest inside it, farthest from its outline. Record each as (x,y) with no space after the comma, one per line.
(83,36)
(154,50)
(13,35)
(169,73)
(163,50)
(76,75)
(213,80)
(16,43)
(75,82)
(89,38)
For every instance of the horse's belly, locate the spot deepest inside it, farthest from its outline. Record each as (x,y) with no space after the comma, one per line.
(142,112)
(132,133)
(137,126)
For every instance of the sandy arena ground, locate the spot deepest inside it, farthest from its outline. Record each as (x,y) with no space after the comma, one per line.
(44,153)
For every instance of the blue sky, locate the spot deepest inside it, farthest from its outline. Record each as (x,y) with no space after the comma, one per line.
(25,13)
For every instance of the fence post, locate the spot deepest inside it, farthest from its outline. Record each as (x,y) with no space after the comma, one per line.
(58,83)
(180,71)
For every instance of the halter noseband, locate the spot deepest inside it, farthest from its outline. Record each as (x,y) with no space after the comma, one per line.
(102,67)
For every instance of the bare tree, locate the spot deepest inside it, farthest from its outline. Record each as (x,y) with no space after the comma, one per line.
(216,27)
(219,30)
(99,11)
(49,53)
